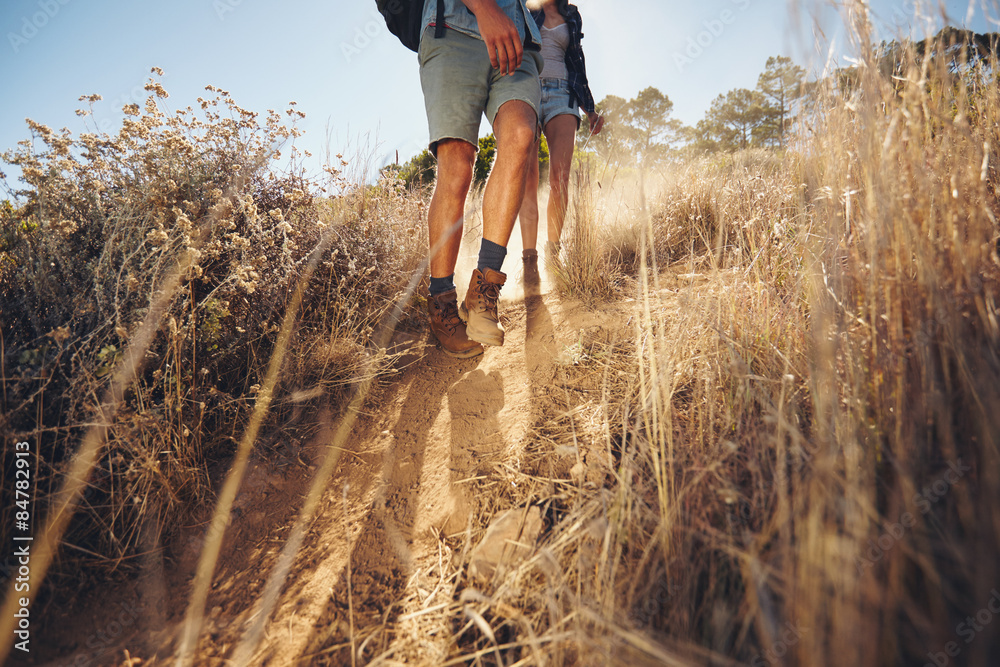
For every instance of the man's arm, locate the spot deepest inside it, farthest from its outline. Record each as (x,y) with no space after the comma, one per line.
(499,33)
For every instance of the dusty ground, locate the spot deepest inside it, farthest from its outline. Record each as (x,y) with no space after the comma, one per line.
(383,568)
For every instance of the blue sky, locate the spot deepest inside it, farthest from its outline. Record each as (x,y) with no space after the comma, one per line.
(358,86)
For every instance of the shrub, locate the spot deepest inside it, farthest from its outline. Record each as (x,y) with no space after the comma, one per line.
(100,224)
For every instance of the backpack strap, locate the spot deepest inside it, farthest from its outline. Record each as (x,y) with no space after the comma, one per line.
(439,27)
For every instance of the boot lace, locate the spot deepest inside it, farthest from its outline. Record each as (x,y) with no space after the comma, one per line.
(449,315)
(490,292)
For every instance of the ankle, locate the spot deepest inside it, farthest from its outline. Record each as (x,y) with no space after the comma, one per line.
(440,286)
(491,256)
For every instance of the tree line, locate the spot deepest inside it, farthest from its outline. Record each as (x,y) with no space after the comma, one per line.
(766,116)
(741,118)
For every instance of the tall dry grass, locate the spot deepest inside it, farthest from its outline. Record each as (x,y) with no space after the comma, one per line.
(805,425)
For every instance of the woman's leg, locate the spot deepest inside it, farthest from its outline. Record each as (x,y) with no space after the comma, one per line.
(561,135)
(528,214)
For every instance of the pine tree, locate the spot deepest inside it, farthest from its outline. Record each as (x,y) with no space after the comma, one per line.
(781,84)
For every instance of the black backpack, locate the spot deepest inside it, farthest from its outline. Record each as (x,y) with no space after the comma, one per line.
(403,20)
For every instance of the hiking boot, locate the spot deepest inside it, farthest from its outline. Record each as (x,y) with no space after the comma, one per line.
(479,310)
(448,327)
(530,273)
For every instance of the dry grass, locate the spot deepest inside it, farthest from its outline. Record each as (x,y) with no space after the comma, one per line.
(786,455)
(103,222)
(805,425)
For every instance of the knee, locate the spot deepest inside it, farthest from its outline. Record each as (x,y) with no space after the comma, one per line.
(520,140)
(455,181)
(456,162)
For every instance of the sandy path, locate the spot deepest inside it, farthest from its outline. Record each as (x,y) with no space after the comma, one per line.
(400,492)
(383,562)
(384,552)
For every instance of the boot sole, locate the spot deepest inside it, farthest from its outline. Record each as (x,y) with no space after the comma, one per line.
(488,335)
(466,354)
(474,351)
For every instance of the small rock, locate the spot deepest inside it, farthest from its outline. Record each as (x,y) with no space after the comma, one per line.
(457,510)
(509,540)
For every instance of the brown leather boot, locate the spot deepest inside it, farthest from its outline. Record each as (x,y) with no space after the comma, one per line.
(479,310)
(448,327)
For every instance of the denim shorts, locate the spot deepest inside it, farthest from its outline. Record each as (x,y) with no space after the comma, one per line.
(557,100)
(460,85)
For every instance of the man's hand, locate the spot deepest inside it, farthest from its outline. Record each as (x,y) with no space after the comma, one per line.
(596,122)
(499,33)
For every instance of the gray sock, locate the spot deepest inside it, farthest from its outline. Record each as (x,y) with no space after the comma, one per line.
(442,285)
(491,256)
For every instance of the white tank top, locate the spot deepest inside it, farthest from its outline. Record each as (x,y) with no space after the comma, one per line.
(555,41)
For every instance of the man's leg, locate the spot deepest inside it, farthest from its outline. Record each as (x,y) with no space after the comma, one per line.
(561,135)
(456,161)
(514,126)
(455,78)
(444,218)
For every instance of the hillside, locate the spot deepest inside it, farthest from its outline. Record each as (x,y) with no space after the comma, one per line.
(750,415)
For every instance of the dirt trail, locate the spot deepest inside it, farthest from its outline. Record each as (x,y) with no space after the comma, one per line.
(414,487)
(383,552)
(375,557)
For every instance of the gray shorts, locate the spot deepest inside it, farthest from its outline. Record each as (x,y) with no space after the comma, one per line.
(460,85)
